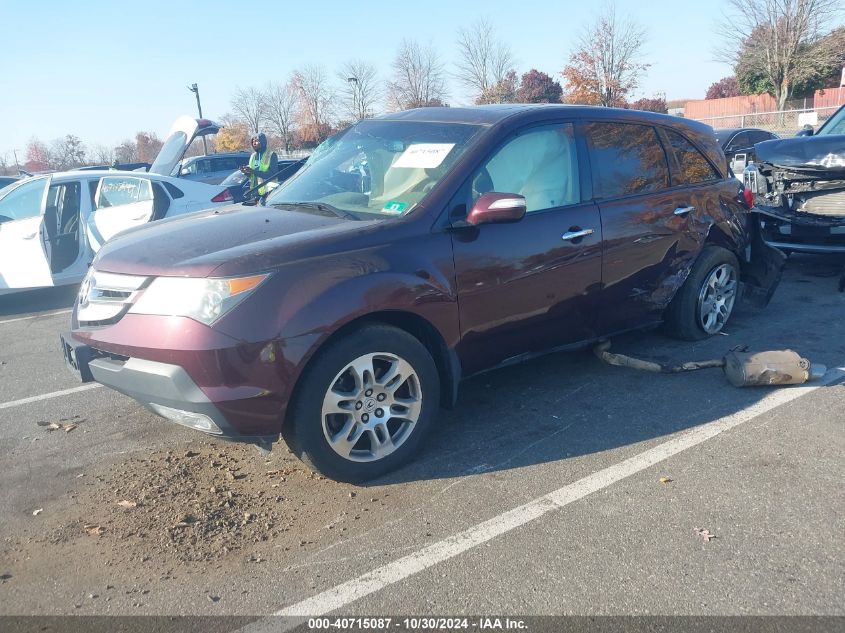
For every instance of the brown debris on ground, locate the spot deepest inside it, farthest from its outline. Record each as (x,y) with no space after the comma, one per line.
(201,505)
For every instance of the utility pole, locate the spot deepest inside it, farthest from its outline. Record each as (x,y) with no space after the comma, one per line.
(355,88)
(195,89)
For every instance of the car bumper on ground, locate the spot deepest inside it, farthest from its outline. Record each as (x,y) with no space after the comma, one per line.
(169,391)
(804,234)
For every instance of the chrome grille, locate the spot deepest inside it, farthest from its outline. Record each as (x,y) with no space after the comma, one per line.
(105,297)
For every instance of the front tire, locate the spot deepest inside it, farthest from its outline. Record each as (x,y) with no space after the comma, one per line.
(705,302)
(365,404)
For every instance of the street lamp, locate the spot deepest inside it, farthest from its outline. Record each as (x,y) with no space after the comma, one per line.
(356,86)
(195,89)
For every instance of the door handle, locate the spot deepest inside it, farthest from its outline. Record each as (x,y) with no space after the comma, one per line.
(683,210)
(576,235)
(30,237)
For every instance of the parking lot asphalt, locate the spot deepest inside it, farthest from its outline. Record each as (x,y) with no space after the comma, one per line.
(559,486)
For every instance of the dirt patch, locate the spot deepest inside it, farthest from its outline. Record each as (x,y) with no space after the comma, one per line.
(204,504)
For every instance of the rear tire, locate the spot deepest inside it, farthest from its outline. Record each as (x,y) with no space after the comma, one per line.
(364,405)
(705,302)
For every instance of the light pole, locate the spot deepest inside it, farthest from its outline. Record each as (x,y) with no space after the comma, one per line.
(355,88)
(195,89)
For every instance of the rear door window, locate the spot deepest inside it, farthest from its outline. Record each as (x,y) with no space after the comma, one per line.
(627,159)
(119,191)
(693,167)
(740,141)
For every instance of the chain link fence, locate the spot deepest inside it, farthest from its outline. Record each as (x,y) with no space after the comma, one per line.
(782,123)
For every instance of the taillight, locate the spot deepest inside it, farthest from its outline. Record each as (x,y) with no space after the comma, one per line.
(223,196)
(748,195)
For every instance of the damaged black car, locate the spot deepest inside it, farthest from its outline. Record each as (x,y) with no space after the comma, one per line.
(799,189)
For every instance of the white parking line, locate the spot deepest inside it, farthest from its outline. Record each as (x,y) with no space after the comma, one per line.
(36,316)
(391,573)
(47,396)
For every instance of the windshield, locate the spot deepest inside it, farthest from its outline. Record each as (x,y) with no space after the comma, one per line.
(379,167)
(834,125)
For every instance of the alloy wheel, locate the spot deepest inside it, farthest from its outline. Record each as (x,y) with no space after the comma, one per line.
(717,297)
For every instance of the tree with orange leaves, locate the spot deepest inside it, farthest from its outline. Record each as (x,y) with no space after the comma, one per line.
(604,69)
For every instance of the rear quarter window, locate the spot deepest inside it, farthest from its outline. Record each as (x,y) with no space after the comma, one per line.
(627,159)
(692,167)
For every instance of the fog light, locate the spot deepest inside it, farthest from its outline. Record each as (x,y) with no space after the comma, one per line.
(192,420)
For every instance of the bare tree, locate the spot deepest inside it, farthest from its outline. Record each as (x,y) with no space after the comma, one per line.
(102,154)
(419,79)
(67,152)
(777,38)
(126,152)
(604,68)
(315,102)
(359,89)
(484,60)
(282,102)
(249,106)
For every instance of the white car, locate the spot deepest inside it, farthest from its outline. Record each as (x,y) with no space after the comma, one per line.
(52,225)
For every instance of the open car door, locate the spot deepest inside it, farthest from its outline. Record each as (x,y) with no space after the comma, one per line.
(23,259)
(185,129)
(121,203)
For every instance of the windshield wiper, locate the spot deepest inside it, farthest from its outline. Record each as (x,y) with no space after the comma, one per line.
(320,206)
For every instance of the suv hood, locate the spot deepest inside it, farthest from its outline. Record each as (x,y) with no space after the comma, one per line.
(812,153)
(228,240)
(184,130)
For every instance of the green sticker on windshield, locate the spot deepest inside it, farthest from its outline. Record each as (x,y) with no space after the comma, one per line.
(395,207)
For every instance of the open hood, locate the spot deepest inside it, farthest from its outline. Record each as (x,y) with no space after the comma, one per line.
(184,130)
(823,153)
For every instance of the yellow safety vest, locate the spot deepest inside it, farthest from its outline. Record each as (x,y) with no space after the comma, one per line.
(264,165)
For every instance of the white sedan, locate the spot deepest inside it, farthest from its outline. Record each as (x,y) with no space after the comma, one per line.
(52,225)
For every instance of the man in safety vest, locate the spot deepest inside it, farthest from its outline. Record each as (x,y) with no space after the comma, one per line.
(262,164)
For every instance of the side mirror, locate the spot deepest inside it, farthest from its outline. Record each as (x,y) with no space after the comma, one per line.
(184,171)
(497,208)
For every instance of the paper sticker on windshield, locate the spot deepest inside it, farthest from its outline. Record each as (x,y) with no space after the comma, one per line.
(424,155)
(394,207)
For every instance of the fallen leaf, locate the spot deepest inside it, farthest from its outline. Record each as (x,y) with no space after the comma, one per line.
(35,513)
(69,427)
(705,534)
(95,530)
(53,426)
(127,504)
(665,480)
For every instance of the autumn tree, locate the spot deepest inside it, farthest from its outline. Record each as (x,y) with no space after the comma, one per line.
(604,68)
(655,104)
(419,79)
(725,87)
(37,156)
(503,91)
(359,90)
(147,146)
(249,105)
(484,61)
(538,87)
(315,99)
(779,44)
(235,135)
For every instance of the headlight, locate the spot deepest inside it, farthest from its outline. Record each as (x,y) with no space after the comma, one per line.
(205,300)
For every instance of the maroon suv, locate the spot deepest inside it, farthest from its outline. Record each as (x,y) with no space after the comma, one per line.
(415,250)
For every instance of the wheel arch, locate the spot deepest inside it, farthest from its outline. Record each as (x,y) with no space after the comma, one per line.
(445,359)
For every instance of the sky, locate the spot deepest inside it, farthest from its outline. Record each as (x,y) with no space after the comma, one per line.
(105,70)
